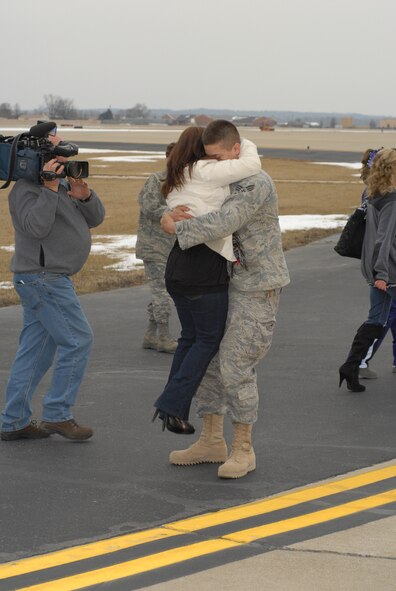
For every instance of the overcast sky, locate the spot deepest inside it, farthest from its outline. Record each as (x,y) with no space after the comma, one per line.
(304,55)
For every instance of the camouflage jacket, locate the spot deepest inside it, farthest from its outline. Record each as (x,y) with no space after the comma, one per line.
(251,212)
(152,242)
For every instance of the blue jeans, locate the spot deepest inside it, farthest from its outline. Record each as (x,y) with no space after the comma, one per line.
(53,323)
(390,325)
(380,303)
(202,320)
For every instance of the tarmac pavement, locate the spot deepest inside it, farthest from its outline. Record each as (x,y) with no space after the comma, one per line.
(57,494)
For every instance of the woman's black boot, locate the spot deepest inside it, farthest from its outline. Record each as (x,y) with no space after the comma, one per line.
(173,424)
(364,338)
(351,375)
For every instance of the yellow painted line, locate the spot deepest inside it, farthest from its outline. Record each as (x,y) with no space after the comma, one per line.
(282,501)
(192,524)
(134,567)
(30,565)
(272,529)
(181,554)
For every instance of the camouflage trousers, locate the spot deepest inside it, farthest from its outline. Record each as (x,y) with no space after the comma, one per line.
(230,383)
(159,308)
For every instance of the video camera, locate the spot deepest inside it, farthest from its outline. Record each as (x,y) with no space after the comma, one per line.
(23,156)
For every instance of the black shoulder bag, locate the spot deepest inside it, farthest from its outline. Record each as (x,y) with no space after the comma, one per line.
(350,243)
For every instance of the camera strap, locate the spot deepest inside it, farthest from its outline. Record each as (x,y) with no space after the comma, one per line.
(12,160)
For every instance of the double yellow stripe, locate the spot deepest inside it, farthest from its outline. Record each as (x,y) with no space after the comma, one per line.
(176,555)
(61,557)
(133,567)
(193,524)
(283,501)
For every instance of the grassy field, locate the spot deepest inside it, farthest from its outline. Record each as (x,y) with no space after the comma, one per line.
(303,188)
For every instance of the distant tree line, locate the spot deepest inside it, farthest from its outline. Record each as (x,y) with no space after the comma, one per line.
(8,112)
(137,113)
(58,107)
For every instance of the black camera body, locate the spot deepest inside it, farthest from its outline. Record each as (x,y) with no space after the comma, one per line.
(23,156)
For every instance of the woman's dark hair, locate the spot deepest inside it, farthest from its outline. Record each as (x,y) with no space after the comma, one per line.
(187,151)
(169,149)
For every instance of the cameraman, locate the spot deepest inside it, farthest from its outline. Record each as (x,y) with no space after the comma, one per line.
(52,222)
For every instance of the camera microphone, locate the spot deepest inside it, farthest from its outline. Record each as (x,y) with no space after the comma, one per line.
(42,129)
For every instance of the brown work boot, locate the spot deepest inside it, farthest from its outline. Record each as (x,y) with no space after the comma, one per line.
(210,447)
(165,343)
(69,429)
(150,340)
(31,431)
(242,459)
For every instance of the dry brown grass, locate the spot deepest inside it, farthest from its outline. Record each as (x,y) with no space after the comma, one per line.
(317,189)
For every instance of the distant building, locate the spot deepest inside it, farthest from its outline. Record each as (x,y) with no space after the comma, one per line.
(168,118)
(202,120)
(179,119)
(347,122)
(254,121)
(243,121)
(106,115)
(264,123)
(387,123)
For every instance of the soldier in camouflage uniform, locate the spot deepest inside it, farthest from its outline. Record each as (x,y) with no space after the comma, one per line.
(153,246)
(230,385)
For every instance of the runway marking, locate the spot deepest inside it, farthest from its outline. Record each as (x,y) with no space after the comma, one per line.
(272,529)
(201,522)
(134,567)
(69,555)
(183,553)
(282,501)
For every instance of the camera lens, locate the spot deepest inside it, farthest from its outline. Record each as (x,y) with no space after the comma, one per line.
(76,169)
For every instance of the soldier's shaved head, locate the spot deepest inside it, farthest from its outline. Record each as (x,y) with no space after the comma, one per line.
(221,131)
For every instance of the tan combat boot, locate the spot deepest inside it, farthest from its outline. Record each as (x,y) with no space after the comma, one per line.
(210,447)
(165,344)
(242,459)
(150,340)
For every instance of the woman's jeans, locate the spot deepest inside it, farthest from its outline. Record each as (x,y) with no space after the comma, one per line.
(380,303)
(202,319)
(379,306)
(53,323)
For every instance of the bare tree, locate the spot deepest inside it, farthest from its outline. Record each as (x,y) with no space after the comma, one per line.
(59,108)
(6,111)
(139,111)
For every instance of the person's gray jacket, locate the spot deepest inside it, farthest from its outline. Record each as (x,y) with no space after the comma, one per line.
(152,244)
(379,246)
(52,230)
(252,211)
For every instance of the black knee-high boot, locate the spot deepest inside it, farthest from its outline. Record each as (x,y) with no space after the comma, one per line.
(364,338)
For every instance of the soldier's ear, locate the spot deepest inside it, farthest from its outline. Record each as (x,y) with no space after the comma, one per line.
(237,150)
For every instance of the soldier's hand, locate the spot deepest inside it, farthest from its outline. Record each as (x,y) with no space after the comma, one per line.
(180,213)
(167,224)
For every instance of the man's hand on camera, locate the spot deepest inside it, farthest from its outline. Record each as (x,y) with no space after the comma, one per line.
(79,189)
(55,167)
